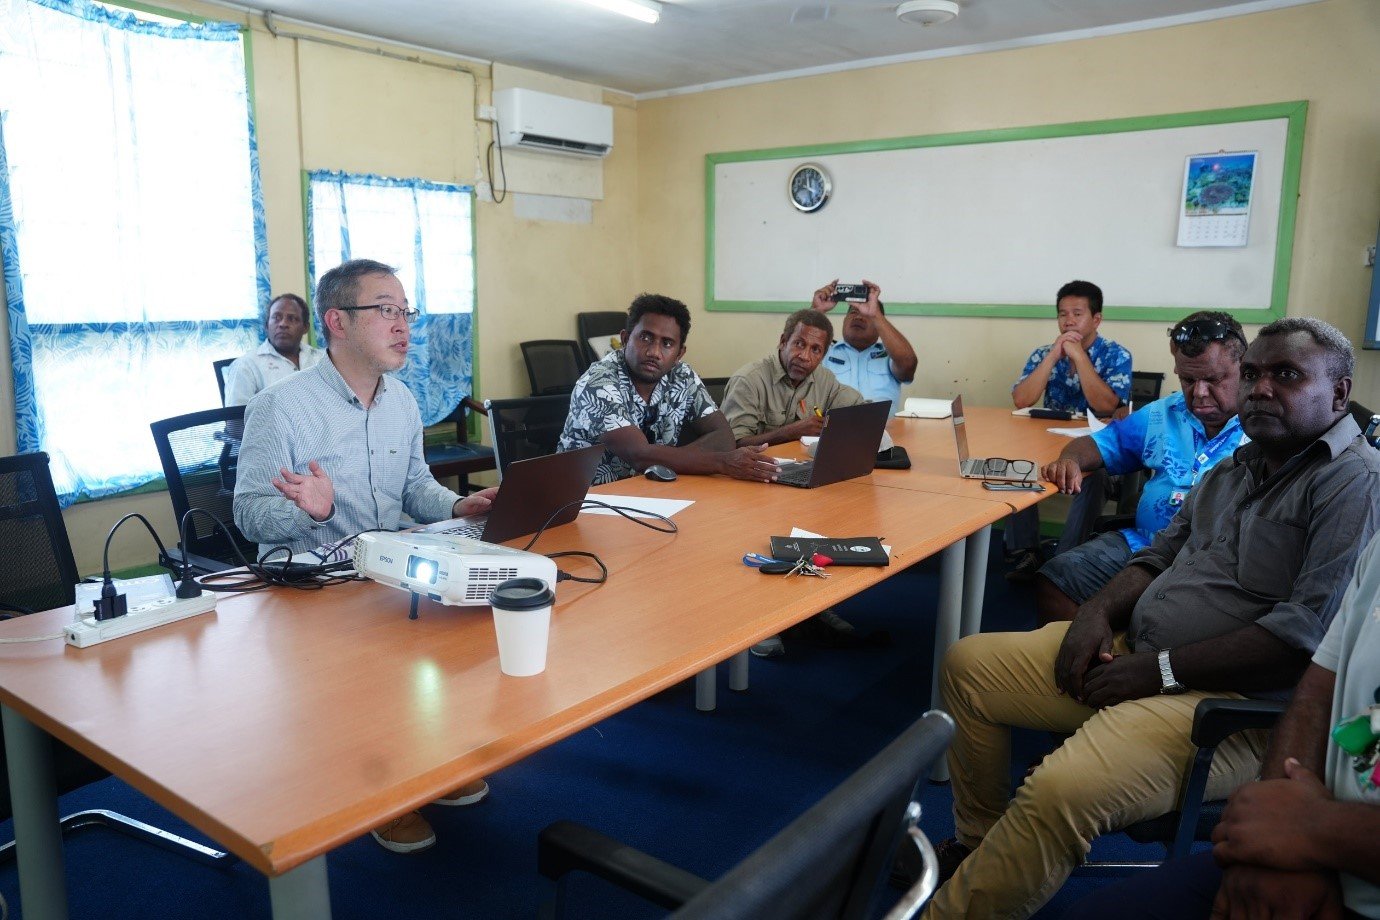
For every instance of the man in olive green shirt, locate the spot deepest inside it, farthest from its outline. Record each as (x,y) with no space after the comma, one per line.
(785,395)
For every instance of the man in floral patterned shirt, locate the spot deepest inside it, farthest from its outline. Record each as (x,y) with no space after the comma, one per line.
(646,407)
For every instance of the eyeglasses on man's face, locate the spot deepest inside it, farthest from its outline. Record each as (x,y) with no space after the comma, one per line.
(390,311)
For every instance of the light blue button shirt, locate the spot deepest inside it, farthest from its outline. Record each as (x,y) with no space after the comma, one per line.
(1167,439)
(867,371)
(373,456)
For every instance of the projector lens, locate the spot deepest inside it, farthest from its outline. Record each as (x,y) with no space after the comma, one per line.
(421,569)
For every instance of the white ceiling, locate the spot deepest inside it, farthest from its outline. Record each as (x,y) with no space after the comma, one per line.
(700,42)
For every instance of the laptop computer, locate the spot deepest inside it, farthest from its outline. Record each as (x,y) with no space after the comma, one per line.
(532,492)
(997,469)
(847,447)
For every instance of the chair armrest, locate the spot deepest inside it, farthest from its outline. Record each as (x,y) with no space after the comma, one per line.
(1216,719)
(565,847)
(1113,522)
(474,405)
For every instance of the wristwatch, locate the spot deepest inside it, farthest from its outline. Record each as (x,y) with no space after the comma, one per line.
(1168,683)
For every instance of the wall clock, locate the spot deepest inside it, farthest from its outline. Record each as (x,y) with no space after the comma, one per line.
(809,187)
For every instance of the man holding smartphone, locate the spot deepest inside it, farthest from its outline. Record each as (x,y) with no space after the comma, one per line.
(873,357)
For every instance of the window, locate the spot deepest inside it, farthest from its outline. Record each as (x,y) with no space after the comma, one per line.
(425,230)
(131,229)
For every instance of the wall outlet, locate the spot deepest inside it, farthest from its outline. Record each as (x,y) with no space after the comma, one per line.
(484,191)
(1369,260)
(488,113)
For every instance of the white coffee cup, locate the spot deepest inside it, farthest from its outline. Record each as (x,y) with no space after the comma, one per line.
(522,622)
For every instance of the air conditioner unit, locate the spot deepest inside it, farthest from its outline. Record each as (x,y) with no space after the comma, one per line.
(530,120)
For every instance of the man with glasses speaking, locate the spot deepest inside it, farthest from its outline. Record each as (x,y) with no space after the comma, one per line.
(648,408)
(337,449)
(1177,439)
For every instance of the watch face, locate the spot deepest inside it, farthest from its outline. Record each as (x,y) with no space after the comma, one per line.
(809,187)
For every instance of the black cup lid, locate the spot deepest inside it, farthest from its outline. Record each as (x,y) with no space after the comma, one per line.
(522,594)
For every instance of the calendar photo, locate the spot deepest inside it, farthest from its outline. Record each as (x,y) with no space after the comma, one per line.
(1217,199)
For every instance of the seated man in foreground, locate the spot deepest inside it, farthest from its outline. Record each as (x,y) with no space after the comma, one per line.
(641,401)
(337,449)
(785,395)
(873,358)
(1178,439)
(1230,600)
(1290,846)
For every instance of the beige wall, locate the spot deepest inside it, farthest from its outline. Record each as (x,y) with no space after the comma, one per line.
(1324,53)
(321,107)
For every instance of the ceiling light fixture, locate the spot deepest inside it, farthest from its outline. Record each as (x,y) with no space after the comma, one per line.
(927,12)
(648,11)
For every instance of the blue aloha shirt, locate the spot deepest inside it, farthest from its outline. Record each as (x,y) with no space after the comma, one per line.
(604,400)
(1167,439)
(1064,392)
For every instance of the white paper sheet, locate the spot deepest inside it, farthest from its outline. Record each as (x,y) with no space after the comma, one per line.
(1095,425)
(644,507)
(920,407)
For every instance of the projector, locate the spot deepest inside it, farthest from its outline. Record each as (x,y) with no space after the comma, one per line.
(447,568)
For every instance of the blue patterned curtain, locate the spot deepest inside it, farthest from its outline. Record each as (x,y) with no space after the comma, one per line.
(426,231)
(131,229)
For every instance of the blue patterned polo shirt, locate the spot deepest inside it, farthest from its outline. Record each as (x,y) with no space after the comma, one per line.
(1064,392)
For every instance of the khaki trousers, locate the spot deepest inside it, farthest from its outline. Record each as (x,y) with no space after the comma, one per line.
(1122,765)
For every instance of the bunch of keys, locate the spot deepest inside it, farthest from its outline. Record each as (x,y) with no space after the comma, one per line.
(814,565)
(1360,738)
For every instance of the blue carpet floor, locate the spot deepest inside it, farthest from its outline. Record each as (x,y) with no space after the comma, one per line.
(701,790)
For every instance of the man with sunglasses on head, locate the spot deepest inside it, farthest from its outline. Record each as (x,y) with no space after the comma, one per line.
(642,403)
(1230,600)
(1080,371)
(337,449)
(1177,439)
(873,357)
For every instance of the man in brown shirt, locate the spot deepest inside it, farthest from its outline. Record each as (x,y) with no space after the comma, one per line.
(1231,599)
(785,395)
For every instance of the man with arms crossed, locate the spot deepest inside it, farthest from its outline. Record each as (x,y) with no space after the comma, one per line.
(281,354)
(873,358)
(1078,372)
(1178,439)
(1290,845)
(641,400)
(1231,599)
(337,449)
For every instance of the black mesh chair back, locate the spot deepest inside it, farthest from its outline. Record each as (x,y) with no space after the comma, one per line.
(31,525)
(831,862)
(605,324)
(525,428)
(220,367)
(553,365)
(200,452)
(716,386)
(1367,421)
(1145,387)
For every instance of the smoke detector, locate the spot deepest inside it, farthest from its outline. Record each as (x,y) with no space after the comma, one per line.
(927,12)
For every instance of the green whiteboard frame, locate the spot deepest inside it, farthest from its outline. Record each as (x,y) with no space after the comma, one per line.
(1294,113)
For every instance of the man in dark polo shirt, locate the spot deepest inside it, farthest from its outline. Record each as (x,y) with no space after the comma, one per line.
(1231,599)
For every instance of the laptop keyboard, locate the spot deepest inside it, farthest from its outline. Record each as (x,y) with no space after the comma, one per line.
(473,530)
(798,475)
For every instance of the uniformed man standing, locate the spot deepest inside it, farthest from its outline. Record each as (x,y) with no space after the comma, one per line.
(873,357)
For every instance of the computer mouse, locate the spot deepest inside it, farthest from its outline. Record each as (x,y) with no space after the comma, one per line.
(660,473)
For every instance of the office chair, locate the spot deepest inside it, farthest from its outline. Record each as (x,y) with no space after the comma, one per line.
(30,518)
(200,452)
(525,427)
(553,365)
(1214,720)
(1367,421)
(601,326)
(460,458)
(220,367)
(831,862)
(1145,387)
(716,386)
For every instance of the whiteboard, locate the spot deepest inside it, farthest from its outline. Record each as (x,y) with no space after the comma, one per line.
(992,223)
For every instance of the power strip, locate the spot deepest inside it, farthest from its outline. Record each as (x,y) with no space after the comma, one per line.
(90,631)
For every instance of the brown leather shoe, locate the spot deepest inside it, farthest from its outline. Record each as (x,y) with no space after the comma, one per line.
(407,834)
(468,794)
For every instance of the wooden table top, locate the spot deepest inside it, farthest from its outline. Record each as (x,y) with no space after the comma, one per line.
(286,723)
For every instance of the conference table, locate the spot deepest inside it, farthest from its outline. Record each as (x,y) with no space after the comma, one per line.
(286,723)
